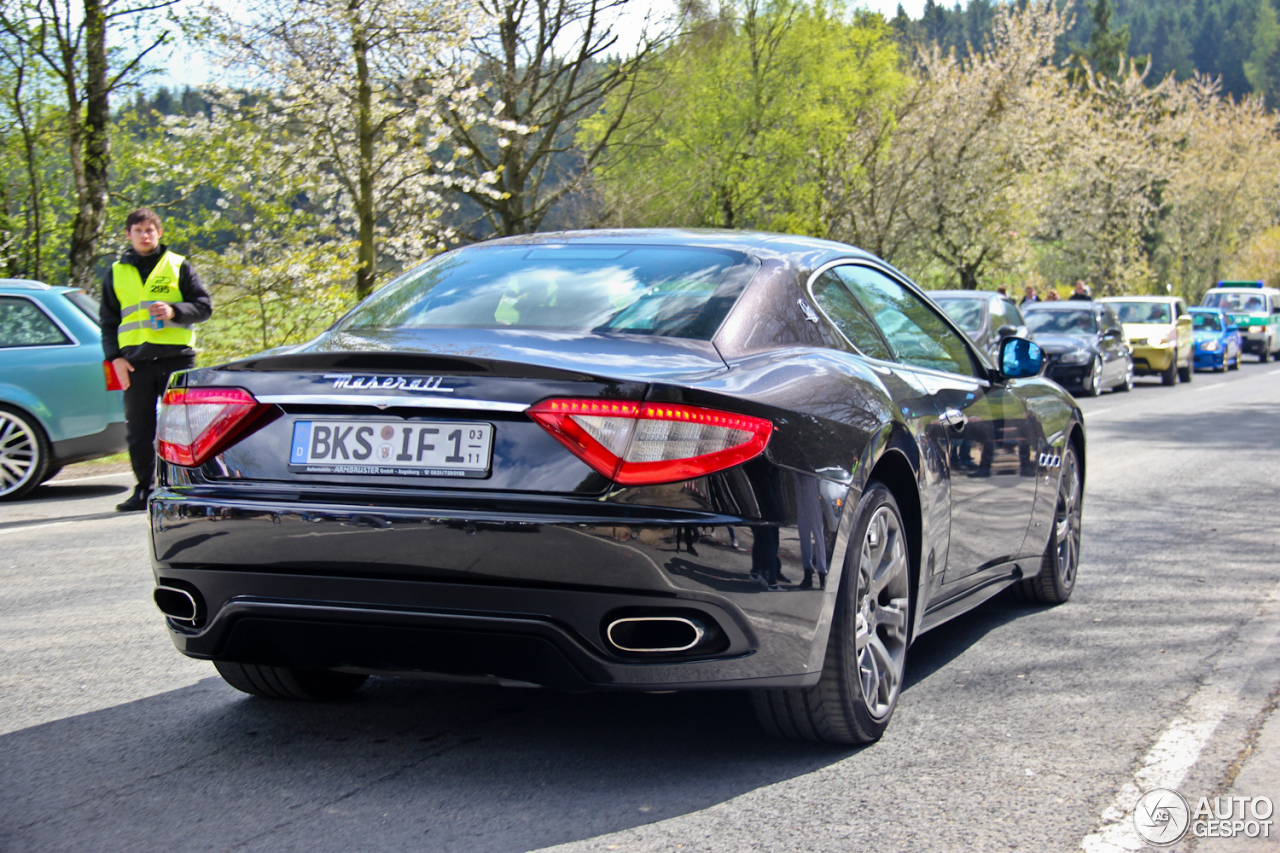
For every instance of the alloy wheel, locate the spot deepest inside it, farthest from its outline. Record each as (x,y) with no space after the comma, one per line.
(881,607)
(19,454)
(1067,521)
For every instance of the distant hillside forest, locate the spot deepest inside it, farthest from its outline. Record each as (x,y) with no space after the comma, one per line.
(1235,40)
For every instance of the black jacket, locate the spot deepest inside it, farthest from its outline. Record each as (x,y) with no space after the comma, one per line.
(196,307)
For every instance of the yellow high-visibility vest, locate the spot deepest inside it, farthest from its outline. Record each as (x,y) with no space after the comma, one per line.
(137,326)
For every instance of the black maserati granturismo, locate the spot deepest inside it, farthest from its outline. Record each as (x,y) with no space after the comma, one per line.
(642,460)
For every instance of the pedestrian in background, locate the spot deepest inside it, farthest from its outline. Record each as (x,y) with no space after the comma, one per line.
(150,300)
(1029,295)
(1081,292)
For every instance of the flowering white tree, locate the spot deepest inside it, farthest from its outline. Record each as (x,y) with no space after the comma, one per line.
(350,92)
(1224,184)
(973,149)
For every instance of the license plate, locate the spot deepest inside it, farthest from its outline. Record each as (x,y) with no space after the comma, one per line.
(399,449)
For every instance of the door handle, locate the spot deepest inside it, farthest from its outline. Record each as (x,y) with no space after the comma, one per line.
(955,419)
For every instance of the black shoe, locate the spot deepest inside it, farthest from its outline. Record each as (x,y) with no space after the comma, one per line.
(137,502)
(807,582)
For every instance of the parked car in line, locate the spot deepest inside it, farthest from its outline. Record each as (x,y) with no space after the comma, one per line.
(55,408)
(1255,310)
(1084,345)
(632,460)
(1158,329)
(986,317)
(1218,341)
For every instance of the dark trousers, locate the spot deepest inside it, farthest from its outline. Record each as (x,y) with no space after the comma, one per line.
(146,384)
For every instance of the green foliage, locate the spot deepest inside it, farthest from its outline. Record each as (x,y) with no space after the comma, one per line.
(278,271)
(746,115)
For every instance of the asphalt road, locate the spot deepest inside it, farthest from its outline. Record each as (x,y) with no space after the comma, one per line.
(1020,728)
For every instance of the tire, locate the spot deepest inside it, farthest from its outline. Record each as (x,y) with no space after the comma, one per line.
(866,657)
(1094,388)
(1186,374)
(278,682)
(1169,376)
(1127,384)
(1061,560)
(24,454)
(50,473)
(1235,365)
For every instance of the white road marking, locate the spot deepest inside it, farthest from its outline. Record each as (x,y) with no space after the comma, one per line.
(1179,746)
(1272,372)
(94,477)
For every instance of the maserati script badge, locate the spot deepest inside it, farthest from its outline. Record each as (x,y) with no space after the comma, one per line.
(389,383)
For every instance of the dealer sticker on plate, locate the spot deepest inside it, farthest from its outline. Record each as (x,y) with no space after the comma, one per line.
(399,449)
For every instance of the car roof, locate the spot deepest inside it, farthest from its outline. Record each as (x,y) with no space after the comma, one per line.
(1059,305)
(968,294)
(760,244)
(1142,299)
(23,284)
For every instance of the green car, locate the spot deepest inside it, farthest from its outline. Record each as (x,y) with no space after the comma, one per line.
(1253,307)
(55,408)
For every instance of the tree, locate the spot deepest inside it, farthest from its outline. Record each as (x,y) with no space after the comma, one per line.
(354,86)
(544,65)
(72,40)
(245,211)
(1106,48)
(751,119)
(988,127)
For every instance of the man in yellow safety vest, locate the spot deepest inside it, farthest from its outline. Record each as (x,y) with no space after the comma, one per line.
(150,300)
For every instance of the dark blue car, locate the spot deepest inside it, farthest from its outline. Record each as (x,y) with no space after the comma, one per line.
(1217,340)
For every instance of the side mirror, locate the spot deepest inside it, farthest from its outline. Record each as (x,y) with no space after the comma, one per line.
(1020,358)
(1006,331)
(1112,332)
(1233,328)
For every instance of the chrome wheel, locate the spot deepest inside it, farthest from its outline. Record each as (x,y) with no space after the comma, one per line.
(1095,379)
(23,455)
(880,621)
(1066,521)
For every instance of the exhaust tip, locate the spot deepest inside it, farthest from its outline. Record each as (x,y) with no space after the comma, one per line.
(177,604)
(655,634)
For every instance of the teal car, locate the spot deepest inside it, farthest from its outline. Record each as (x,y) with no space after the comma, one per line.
(55,407)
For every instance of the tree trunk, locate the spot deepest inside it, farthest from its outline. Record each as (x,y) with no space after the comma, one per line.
(90,150)
(367,269)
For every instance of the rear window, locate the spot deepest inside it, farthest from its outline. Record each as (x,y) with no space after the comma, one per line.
(1238,302)
(87,304)
(668,291)
(1143,312)
(1063,322)
(966,312)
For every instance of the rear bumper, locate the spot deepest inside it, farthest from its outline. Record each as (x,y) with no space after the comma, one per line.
(486,594)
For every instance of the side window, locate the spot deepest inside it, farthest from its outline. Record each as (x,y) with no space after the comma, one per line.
(1009,313)
(917,335)
(1109,319)
(831,294)
(22,324)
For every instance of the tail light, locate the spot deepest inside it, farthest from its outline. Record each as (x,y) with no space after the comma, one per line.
(112,378)
(646,443)
(197,423)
